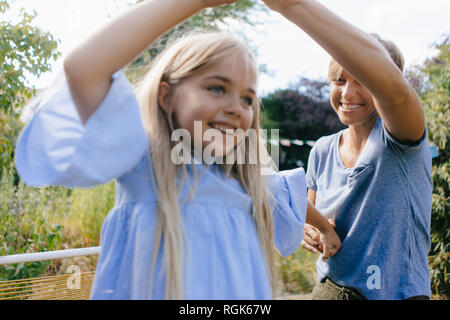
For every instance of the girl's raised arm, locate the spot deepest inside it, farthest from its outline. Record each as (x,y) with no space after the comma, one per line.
(89,67)
(365,59)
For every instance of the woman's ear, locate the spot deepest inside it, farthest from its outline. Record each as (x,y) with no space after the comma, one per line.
(163,96)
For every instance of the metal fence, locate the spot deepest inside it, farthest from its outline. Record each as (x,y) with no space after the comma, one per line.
(72,286)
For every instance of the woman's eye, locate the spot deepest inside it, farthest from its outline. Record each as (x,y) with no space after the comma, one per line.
(217,89)
(339,80)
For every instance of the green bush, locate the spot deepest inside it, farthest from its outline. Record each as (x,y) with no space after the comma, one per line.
(86,213)
(437,105)
(432,81)
(47,219)
(25,227)
(297,272)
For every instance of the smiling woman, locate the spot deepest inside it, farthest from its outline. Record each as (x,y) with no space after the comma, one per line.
(373,178)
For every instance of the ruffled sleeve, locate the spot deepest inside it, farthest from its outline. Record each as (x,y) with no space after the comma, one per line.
(289,189)
(55,148)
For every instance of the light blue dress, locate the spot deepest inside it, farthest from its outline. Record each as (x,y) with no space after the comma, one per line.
(223,257)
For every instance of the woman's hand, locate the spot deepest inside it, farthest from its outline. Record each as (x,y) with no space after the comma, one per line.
(331,243)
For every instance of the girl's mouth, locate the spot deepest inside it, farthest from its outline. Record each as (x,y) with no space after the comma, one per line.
(225,128)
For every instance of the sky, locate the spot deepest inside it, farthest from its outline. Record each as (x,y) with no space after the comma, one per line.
(286,51)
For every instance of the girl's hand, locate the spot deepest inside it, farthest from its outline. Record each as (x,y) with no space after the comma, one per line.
(331,243)
(311,239)
(280,5)
(214,3)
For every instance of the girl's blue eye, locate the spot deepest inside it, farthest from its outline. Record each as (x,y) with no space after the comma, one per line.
(247,100)
(217,89)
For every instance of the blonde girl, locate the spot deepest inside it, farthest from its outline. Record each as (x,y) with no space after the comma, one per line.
(186,230)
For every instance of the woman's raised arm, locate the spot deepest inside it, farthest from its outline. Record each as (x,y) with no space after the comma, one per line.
(365,59)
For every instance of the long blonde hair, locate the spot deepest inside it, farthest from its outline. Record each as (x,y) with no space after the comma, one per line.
(181,60)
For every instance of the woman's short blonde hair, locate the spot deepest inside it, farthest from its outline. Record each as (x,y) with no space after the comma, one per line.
(392,49)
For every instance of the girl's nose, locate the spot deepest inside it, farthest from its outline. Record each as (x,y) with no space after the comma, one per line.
(233,107)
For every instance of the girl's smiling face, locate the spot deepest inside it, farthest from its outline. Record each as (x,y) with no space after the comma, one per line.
(222,97)
(352,102)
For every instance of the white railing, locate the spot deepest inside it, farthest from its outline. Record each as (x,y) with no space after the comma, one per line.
(48,255)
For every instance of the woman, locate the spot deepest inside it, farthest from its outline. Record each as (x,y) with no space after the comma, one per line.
(374,178)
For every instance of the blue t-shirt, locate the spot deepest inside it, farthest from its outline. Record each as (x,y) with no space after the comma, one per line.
(382,209)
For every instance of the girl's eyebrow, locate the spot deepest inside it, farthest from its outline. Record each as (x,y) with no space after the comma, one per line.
(228,81)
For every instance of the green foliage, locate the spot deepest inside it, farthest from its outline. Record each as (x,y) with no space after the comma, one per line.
(24,227)
(24,224)
(9,131)
(24,50)
(436,99)
(87,210)
(211,19)
(300,112)
(297,272)
(47,219)
(432,81)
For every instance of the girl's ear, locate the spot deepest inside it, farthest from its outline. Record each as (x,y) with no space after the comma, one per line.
(163,96)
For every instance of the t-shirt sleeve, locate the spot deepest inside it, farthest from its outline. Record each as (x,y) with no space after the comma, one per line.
(55,148)
(400,147)
(289,215)
(311,170)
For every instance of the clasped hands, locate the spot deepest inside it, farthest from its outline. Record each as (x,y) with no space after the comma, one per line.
(276,5)
(312,240)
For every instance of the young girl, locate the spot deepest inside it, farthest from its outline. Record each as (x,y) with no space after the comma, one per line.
(177,231)
(374,178)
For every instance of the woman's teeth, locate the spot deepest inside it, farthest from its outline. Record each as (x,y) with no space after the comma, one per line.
(351,106)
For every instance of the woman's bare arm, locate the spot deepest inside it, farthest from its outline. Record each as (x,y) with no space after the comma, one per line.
(365,59)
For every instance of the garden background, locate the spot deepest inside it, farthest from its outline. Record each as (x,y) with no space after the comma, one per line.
(46,219)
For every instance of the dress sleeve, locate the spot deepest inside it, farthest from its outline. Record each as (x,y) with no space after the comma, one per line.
(289,215)
(55,148)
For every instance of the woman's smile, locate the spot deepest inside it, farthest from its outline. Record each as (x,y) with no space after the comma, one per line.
(350,107)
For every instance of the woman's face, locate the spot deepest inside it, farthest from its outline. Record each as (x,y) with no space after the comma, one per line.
(220,100)
(352,102)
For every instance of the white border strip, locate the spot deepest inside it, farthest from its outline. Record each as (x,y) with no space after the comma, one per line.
(48,255)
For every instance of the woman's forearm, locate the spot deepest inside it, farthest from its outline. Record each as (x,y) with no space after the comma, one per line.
(353,49)
(366,60)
